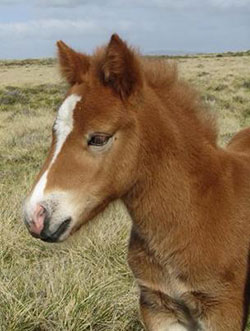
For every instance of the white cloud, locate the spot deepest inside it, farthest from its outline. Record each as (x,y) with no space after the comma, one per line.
(54,28)
(47,28)
(177,4)
(62,3)
(9,2)
(230,3)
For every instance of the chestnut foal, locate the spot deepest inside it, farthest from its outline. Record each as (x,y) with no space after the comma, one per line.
(130,129)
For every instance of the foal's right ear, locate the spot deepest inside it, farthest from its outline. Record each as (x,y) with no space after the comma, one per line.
(73,65)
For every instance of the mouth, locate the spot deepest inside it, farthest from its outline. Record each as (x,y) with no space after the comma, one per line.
(47,236)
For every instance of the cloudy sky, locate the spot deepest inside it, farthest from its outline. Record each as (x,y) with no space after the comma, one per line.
(31,28)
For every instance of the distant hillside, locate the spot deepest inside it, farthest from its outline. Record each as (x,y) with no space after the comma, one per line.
(159,53)
(173,53)
(169,52)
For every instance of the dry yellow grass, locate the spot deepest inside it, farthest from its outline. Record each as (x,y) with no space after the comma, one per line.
(85,283)
(28,74)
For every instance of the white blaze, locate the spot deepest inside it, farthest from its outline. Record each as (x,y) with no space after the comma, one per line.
(63,127)
(64,122)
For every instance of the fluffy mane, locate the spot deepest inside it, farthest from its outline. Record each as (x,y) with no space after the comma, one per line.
(162,76)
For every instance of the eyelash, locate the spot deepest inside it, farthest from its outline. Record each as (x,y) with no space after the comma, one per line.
(98,139)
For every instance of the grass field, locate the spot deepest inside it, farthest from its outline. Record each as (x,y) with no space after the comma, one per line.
(84,283)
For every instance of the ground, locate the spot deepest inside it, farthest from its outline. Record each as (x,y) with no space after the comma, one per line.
(84,283)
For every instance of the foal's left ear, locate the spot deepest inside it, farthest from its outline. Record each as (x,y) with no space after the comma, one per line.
(121,68)
(73,65)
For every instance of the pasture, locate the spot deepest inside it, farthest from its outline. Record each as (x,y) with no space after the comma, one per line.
(85,283)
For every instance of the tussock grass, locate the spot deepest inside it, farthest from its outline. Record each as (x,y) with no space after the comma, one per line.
(28,62)
(84,283)
(40,96)
(223,87)
(246,84)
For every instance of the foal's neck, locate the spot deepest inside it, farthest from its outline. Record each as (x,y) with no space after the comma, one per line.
(173,170)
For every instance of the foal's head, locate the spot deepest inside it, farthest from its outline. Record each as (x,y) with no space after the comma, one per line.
(94,152)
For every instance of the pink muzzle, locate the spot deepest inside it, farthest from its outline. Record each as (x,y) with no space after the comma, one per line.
(37,222)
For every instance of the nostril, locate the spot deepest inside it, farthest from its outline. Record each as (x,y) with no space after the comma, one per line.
(38,219)
(40,210)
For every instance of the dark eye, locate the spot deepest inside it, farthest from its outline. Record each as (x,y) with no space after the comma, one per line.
(98,139)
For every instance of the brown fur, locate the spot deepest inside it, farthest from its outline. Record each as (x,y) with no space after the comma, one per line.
(188,198)
(73,65)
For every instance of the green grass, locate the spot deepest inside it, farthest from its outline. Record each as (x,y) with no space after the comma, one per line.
(84,283)
(28,62)
(40,96)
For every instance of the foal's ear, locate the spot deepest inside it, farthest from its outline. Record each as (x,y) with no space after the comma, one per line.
(121,69)
(73,65)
